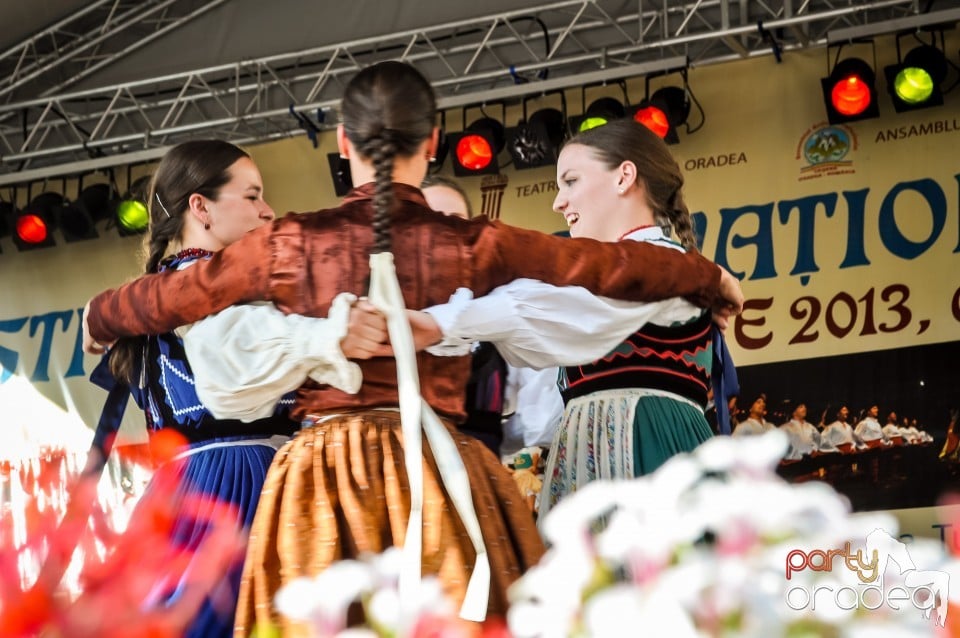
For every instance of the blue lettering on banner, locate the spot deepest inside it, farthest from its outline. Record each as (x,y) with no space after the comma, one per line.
(44,327)
(806,211)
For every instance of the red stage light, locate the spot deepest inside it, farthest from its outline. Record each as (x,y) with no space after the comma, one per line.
(474,152)
(31,229)
(851,95)
(654,119)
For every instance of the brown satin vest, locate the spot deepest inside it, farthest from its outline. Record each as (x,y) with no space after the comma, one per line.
(337,260)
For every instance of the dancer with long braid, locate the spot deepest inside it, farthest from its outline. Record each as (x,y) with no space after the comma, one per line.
(205,195)
(341,488)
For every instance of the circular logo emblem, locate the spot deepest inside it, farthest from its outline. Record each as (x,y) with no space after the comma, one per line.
(827,144)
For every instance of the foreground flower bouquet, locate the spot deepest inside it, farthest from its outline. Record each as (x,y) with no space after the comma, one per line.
(715,544)
(325,602)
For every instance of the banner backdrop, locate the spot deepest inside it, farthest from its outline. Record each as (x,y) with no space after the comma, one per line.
(846,238)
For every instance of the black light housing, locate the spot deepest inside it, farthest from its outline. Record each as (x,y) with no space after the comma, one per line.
(475,149)
(340,173)
(443,146)
(915,81)
(536,140)
(664,111)
(850,91)
(600,111)
(94,203)
(7,211)
(443,149)
(33,226)
(669,107)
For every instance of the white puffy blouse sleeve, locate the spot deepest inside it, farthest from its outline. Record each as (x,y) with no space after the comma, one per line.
(247,357)
(538,325)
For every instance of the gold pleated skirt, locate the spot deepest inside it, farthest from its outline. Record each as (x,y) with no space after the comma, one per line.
(339,489)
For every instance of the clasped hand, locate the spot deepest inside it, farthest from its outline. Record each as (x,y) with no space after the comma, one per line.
(367,332)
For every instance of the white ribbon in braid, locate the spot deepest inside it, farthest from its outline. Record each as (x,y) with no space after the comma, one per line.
(385,294)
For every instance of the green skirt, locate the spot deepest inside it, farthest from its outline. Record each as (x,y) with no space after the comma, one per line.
(618,434)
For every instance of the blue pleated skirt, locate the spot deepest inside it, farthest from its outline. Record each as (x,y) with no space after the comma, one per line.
(229,472)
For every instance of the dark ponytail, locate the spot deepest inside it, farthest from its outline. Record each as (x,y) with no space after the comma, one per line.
(200,166)
(388,110)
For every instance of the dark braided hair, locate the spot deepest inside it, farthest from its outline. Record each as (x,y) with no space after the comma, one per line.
(625,140)
(388,110)
(199,166)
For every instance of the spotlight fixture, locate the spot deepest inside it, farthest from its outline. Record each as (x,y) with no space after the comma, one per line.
(132,213)
(475,149)
(600,111)
(7,211)
(443,146)
(78,219)
(340,173)
(849,92)
(33,226)
(668,107)
(536,140)
(915,81)
(664,111)
(443,149)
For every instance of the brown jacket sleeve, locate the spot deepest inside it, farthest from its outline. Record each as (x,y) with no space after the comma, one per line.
(630,270)
(154,304)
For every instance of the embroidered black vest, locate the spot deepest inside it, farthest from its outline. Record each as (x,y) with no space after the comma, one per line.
(674,359)
(169,398)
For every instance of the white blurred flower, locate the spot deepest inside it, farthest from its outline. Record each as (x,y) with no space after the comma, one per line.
(534,619)
(372,580)
(701,548)
(387,565)
(622,611)
(323,600)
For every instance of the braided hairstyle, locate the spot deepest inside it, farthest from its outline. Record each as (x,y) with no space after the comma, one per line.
(625,140)
(388,110)
(199,166)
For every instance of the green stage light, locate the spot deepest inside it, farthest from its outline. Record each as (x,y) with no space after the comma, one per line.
(913,85)
(598,113)
(915,82)
(132,216)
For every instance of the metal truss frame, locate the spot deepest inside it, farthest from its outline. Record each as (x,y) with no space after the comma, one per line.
(515,53)
(84,42)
